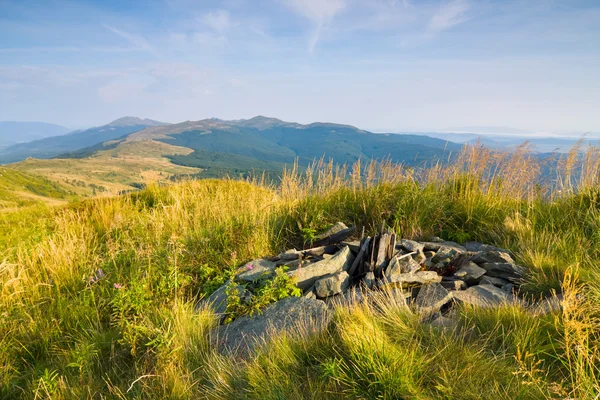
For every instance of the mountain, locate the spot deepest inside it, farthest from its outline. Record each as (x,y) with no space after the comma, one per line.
(232,146)
(56,145)
(13,132)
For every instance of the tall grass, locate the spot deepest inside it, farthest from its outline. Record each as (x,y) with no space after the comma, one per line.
(98,299)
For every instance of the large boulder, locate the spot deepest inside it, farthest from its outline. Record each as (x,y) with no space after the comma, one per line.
(286,315)
(307,275)
(431,299)
(470,273)
(257,270)
(332,285)
(486,296)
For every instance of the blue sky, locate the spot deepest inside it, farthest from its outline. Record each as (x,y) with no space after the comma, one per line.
(394,65)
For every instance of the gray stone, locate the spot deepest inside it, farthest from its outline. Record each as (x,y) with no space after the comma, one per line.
(550,305)
(431,299)
(410,245)
(291,254)
(453,284)
(310,293)
(332,285)
(503,270)
(369,280)
(284,316)
(257,270)
(436,246)
(490,280)
(218,299)
(429,254)
(419,277)
(335,228)
(399,266)
(419,257)
(486,296)
(508,288)
(470,273)
(309,274)
(492,257)
(443,323)
(445,255)
(477,247)
(354,246)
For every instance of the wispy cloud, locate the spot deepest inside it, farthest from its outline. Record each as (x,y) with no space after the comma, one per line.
(219,20)
(136,40)
(449,15)
(320,12)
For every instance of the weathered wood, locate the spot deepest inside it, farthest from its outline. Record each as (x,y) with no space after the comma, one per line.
(372,254)
(391,247)
(384,242)
(359,260)
(336,237)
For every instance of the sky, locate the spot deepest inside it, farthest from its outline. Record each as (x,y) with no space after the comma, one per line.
(383,65)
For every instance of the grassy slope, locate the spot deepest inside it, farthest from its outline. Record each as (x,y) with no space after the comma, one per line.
(113,170)
(66,338)
(19,189)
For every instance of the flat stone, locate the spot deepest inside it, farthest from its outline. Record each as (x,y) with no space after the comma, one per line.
(445,255)
(332,285)
(419,257)
(453,284)
(335,228)
(477,247)
(490,280)
(309,274)
(470,273)
(486,296)
(257,270)
(419,277)
(492,257)
(503,270)
(288,255)
(354,245)
(410,245)
(436,246)
(286,315)
(431,298)
(310,293)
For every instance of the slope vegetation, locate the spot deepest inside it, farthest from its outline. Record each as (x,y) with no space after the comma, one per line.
(19,189)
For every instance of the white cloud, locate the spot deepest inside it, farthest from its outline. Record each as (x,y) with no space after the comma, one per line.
(218,20)
(320,12)
(449,15)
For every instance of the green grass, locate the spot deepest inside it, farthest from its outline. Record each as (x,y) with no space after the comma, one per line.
(19,189)
(165,247)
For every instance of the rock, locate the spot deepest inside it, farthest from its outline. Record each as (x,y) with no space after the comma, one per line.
(453,284)
(477,247)
(508,288)
(431,299)
(335,228)
(420,277)
(354,246)
(429,254)
(490,280)
(470,273)
(492,257)
(309,274)
(398,266)
(503,270)
(310,293)
(443,323)
(218,299)
(369,280)
(445,255)
(332,285)
(410,245)
(484,296)
(419,257)
(257,270)
(436,246)
(289,255)
(352,297)
(284,316)
(550,305)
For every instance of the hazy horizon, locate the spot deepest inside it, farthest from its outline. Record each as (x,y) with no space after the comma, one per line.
(380,65)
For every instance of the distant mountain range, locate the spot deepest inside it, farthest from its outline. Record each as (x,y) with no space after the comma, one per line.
(13,132)
(55,145)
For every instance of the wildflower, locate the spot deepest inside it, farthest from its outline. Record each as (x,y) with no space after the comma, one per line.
(250,266)
(118,286)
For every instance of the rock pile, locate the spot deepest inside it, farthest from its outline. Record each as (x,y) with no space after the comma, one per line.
(431,276)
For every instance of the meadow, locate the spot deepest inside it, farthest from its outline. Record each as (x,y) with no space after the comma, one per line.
(98,298)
